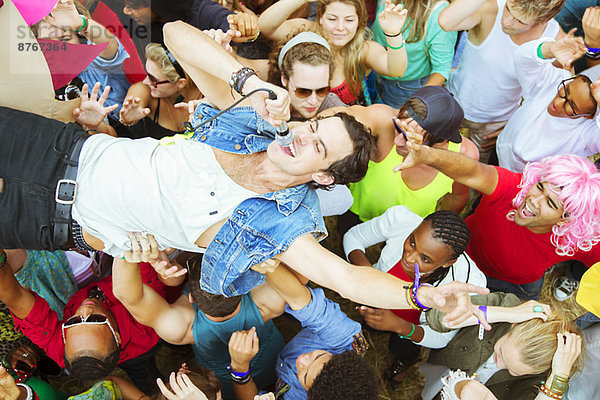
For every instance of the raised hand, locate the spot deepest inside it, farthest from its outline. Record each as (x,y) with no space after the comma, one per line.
(454,300)
(64,16)
(392,18)
(243,346)
(244,25)
(272,111)
(414,143)
(8,388)
(166,269)
(143,248)
(91,111)
(591,26)
(595,86)
(182,388)
(266,396)
(567,49)
(223,38)
(567,352)
(132,111)
(23,353)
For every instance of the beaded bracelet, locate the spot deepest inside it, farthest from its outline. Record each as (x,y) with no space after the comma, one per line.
(239,78)
(83,26)
(544,389)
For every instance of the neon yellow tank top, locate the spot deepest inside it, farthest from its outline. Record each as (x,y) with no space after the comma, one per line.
(382,188)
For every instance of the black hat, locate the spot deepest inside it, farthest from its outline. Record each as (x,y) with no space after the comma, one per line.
(444,114)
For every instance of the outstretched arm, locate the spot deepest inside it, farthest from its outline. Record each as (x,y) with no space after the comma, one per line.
(393,60)
(274,23)
(65,16)
(460,168)
(369,286)
(204,60)
(461,15)
(172,322)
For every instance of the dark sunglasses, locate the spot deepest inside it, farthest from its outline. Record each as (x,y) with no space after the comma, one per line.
(303,93)
(155,82)
(92,319)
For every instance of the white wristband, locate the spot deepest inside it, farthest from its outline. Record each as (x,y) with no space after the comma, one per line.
(29,391)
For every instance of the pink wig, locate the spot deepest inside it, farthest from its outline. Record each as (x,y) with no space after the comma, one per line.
(580,197)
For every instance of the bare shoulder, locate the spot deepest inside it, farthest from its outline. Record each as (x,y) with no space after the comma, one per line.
(469,149)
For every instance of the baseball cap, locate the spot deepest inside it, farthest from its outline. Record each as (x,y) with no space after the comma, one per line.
(444,114)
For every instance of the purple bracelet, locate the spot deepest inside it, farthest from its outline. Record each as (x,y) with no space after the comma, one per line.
(484,309)
(415,288)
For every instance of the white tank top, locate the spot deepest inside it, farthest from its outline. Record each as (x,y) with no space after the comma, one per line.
(485,83)
(175,192)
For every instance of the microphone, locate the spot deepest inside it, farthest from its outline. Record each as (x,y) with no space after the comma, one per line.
(284,137)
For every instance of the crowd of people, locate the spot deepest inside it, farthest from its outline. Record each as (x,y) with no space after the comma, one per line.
(174,187)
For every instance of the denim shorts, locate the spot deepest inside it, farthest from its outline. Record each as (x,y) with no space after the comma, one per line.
(33,152)
(395,93)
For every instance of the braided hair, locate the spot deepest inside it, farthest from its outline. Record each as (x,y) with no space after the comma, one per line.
(452,230)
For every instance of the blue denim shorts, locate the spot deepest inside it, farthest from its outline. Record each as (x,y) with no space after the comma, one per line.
(395,93)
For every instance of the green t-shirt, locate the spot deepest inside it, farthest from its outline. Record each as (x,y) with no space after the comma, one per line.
(439,45)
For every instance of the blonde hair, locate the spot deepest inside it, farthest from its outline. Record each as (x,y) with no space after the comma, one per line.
(418,14)
(155,52)
(539,10)
(353,50)
(538,342)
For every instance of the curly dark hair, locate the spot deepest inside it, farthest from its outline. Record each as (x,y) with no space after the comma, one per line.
(346,376)
(351,168)
(90,365)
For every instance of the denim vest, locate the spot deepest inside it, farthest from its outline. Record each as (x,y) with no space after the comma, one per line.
(261,227)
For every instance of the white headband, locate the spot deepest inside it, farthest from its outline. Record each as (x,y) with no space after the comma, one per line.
(302,37)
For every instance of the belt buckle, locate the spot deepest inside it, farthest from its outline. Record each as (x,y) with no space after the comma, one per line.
(74,195)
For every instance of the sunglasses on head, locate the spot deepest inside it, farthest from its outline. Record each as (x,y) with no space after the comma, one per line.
(92,319)
(155,82)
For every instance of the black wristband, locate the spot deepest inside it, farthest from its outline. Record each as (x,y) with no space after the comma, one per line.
(396,35)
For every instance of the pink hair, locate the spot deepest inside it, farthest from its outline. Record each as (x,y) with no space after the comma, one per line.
(580,197)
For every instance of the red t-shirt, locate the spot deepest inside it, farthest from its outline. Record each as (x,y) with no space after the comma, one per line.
(507,251)
(409,315)
(44,329)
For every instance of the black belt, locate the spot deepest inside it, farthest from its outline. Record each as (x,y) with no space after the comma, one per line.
(66,192)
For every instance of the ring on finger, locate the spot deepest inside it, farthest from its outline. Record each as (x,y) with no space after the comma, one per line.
(538,309)
(25,354)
